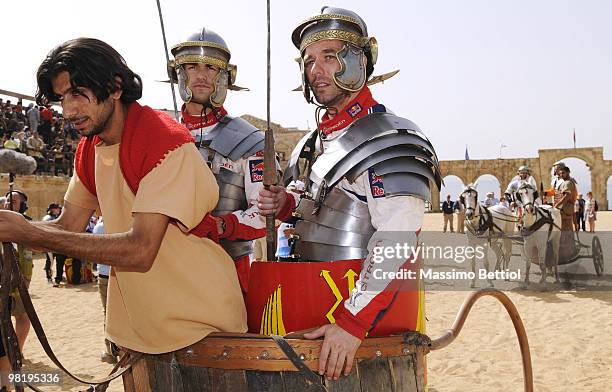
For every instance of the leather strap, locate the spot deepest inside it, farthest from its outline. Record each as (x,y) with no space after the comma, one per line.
(313,379)
(10,262)
(9,337)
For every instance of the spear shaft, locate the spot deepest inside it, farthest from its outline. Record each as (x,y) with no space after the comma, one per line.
(163,30)
(270,175)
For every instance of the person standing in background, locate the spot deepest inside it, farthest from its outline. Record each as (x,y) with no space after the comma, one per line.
(53,212)
(590,211)
(504,202)
(579,212)
(447,212)
(283,247)
(33,116)
(491,200)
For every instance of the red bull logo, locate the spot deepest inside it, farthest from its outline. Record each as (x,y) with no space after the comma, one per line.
(354,110)
(376,184)
(256,168)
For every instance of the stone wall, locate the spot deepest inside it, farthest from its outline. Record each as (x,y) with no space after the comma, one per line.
(284,138)
(41,191)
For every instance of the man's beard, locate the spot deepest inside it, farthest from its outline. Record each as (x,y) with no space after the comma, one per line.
(334,100)
(202,99)
(101,126)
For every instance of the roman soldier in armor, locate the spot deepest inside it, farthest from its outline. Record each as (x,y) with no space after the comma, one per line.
(230,145)
(368,174)
(523,175)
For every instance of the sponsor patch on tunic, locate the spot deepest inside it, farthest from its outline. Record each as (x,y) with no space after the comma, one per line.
(376,184)
(256,168)
(354,110)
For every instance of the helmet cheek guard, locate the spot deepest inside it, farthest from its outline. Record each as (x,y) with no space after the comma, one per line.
(352,75)
(220,85)
(183,81)
(305,85)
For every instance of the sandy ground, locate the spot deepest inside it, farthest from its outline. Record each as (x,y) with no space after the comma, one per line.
(570,334)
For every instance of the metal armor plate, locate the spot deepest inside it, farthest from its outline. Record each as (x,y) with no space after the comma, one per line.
(339,230)
(234,138)
(232,198)
(393,146)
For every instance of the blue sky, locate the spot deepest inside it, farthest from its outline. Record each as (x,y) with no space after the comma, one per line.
(482,73)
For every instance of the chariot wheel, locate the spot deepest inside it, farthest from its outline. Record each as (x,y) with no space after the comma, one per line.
(597,255)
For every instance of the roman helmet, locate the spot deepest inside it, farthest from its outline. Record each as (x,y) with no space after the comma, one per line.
(347,26)
(207,47)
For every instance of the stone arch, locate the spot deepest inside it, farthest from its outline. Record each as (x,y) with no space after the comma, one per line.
(448,168)
(592,156)
(488,182)
(453,185)
(577,166)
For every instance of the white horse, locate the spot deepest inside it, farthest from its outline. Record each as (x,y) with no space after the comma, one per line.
(541,228)
(488,227)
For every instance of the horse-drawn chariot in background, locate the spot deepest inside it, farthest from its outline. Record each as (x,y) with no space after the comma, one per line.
(538,233)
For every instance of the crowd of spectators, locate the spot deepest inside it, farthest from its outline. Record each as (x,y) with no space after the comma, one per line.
(39,132)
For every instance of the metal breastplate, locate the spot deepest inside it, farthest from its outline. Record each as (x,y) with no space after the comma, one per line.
(333,226)
(339,230)
(394,147)
(232,197)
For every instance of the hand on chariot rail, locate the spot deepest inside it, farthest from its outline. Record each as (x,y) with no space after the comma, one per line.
(339,347)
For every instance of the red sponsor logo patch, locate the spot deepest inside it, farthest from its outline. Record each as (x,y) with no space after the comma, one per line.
(256,168)
(354,110)
(376,184)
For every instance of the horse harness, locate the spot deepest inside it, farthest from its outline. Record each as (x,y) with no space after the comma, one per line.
(485,223)
(543,217)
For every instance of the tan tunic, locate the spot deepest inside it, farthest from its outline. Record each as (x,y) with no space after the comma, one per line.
(568,187)
(192,288)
